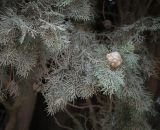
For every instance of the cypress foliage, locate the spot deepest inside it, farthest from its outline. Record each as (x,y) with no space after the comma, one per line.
(69,63)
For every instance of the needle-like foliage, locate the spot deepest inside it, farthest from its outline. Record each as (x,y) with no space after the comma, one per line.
(71,63)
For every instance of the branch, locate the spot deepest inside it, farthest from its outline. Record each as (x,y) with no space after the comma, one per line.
(62,126)
(145,9)
(85,120)
(74,120)
(83,107)
(92,115)
(103,10)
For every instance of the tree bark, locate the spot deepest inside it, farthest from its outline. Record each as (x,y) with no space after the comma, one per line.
(11,124)
(24,115)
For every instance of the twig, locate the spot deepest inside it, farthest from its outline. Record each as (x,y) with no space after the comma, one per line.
(82,107)
(103,10)
(85,120)
(74,120)
(145,9)
(92,114)
(62,126)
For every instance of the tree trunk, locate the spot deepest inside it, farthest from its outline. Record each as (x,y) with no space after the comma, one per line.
(24,115)
(11,124)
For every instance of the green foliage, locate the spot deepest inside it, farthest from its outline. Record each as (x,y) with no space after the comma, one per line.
(79,10)
(72,63)
(110,81)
